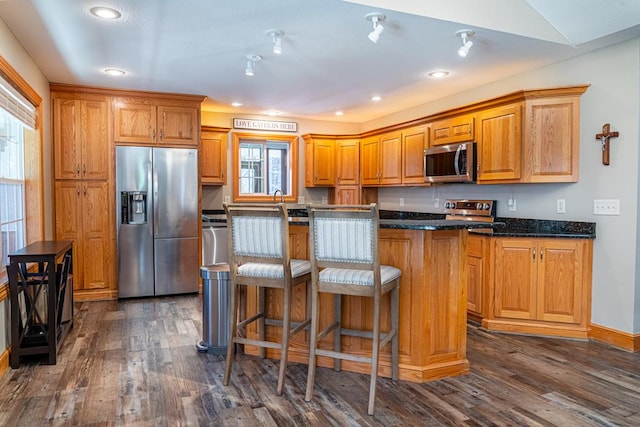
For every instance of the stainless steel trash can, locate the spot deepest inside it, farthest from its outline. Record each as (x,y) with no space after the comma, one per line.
(215,308)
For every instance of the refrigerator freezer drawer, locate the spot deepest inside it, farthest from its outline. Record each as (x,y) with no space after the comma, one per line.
(177,265)
(135,261)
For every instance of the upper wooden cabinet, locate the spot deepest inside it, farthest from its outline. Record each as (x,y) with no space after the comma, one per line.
(381,159)
(453,129)
(414,140)
(552,139)
(319,161)
(81,136)
(155,121)
(499,138)
(213,157)
(347,162)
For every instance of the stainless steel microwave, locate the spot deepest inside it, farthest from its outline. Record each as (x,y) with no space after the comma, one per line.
(450,163)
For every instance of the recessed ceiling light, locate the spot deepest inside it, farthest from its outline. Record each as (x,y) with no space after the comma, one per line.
(105,12)
(115,72)
(339,113)
(438,74)
(376,98)
(273,112)
(236,104)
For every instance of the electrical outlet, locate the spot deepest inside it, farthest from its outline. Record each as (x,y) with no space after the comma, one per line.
(606,207)
(560,206)
(324,200)
(436,203)
(401,201)
(301,200)
(512,204)
(227,199)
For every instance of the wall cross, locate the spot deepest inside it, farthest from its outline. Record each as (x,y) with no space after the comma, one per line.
(604,140)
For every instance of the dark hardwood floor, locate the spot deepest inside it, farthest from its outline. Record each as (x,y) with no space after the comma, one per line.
(134,362)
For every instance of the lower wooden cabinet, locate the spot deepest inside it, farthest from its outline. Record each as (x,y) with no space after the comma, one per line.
(83,215)
(477,276)
(540,286)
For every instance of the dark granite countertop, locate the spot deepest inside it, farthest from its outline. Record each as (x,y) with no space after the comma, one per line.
(502,227)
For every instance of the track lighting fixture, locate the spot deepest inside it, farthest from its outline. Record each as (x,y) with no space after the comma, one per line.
(276,36)
(466,43)
(375,18)
(251,62)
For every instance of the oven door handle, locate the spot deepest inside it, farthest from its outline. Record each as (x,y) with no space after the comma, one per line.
(456,160)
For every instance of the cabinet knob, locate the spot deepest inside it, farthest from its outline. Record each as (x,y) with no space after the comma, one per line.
(84,169)
(534,255)
(541,254)
(78,169)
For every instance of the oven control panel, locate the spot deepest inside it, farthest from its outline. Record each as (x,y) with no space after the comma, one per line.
(466,207)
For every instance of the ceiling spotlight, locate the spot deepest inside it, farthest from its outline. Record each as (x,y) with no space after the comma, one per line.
(114,72)
(276,36)
(375,18)
(438,74)
(466,43)
(251,62)
(105,12)
(236,104)
(376,98)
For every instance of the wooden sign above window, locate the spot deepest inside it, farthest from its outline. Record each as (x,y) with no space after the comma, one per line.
(268,125)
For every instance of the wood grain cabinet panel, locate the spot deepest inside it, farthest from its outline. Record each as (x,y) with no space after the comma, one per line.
(499,137)
(541,286)
(453,129)
(134,123)
(478,274)
(347,162)
(370,160)
(414,140)
(80,129)
(213,155)
(319,162)
(381,159)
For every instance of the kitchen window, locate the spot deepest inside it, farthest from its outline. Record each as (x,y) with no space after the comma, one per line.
(21,186)
(264,164)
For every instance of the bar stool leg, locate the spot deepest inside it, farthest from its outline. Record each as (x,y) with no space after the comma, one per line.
(233,327)
(337,332)
(313,343)
(375,350)
(286,335)
(395,341)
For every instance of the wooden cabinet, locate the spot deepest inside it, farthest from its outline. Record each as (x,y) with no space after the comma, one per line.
(155,121)
(319,162)
(453,129)
(213,155)
(541,286)
(84,215)
(414,140)
(80,132)
(552,139)
(477,276)
(347,162)
(499,137)
(345,195)
(381,159)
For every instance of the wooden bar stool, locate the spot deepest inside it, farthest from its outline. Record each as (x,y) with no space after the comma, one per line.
(345,261)
(259,256)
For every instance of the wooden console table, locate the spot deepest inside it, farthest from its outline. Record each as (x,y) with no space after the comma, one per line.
(37,299)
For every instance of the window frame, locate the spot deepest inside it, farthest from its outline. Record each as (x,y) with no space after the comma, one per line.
(33,167)
(262,138)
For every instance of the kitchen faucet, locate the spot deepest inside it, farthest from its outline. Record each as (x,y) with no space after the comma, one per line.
(275,193)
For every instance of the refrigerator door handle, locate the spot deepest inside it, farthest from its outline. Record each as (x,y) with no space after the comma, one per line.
(151,175)
(155,201)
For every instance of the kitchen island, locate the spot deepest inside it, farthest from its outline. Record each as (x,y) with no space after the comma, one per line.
(433,313)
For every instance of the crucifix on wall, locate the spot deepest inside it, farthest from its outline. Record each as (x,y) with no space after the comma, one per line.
(604,140)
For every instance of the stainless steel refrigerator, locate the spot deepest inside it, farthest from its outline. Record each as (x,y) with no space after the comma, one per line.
(157,197)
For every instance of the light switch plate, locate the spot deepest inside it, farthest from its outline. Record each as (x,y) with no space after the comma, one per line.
(606,207)
(560,206)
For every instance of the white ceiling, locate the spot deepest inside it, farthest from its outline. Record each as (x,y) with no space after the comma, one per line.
(327,64)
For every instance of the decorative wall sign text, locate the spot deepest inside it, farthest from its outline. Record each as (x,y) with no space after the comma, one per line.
(265,125)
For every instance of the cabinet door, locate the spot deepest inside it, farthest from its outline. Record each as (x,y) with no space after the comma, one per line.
(370,160)
(324,161)
(560,280)
(515,278)
(455,129)
(95,140)
(134,123)
(68,224)
(414,141)
(97,249)
(476,274)
(500,143)
(391,158)
(178,125)
(347,195)
(552,140)
(347,162)
(67,138)
(214,158)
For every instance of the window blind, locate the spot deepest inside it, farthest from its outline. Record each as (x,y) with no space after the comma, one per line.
(17,105)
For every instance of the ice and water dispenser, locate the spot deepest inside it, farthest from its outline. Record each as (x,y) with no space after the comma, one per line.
(134,207)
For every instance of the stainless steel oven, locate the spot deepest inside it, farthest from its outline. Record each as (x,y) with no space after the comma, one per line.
(450,163)
(471,210)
